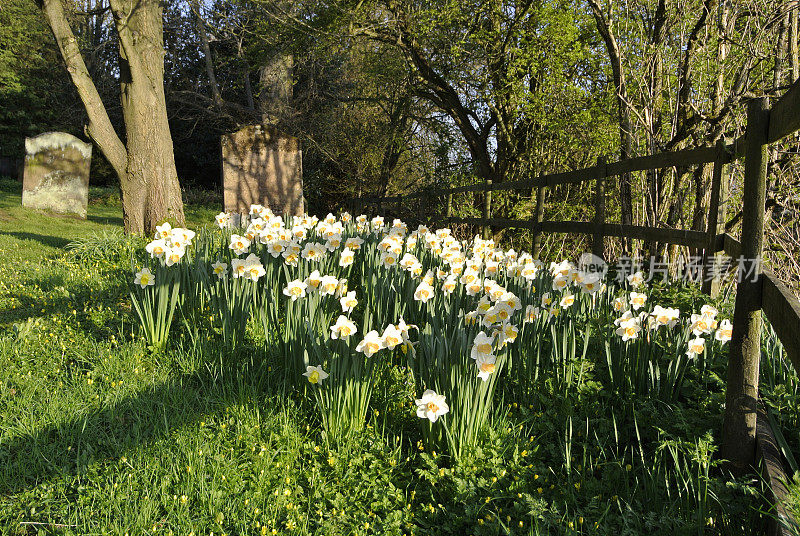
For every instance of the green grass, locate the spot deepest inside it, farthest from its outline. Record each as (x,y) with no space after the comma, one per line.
(99,435)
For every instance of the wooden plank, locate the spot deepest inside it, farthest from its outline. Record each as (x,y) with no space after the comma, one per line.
(570,177)
(717,210)
(487,210)
(731,246)
(670,236)
(686,157)
(784,117)
(783,311)
(599,209)
(775,475)
(744,354)
(577,227)
(495,222)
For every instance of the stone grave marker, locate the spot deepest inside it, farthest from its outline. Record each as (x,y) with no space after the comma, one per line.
(56,174)
(261,166)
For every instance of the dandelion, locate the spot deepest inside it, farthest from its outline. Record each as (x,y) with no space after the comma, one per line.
(144,278)
(295,289)
(424,292)
(371,344)
(343,328)
(724,332)
(431,406)
(315,374)
(220,269)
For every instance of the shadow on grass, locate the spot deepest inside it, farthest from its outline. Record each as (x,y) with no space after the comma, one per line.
(105,220)
(100,435)
(47,240)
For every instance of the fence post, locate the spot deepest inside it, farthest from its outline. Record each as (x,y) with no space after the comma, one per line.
(599,208)
(449,212)
(717,214)
(538,214)
(487,210)
(741,391)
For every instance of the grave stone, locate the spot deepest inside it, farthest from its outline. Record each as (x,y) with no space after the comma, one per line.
(56,175)
(261,166)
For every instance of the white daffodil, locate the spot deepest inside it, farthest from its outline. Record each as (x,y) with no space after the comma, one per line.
(144,278)
(696,347)
(619,304)
(343,328)
(637,300)
(486,366)
(295,289)
(223,219)
(239,244)
(163,231)
(629,328)
(349,302)
(531,313)
(371,344)
(567,300)
(253,269)
(709,310)
(431,406)
(157,248)
(724,332)
(701,324)
(346,258)
(328,285)
(173,255)
(391,337)
(314,280)
(238,267)
(315,374)
(635,279)
(424,292)
(482,345)
(220,269)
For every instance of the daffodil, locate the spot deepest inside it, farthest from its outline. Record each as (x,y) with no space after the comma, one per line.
(253,269)
(239,244)
(724,332)
(346,257)
(391,337)
(431,406)
(295,289)
(157,248)
(696,347)
(349,302)
(486,366)
(144,278)
(482,345)
(328,285)
(220,269)
(424,292)
(343,328)
(371,344)
(637,300)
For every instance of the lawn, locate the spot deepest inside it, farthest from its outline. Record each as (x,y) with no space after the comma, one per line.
(102,434)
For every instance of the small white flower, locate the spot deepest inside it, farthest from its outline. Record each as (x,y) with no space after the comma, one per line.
(724,332)
(343,328)
(315,374)
(482,345)
(486,366)
(144,278)
(239,244)
(349,302)
(696,347)
(371,344)
(431,406)
(220,269)
(295,289)
(424,292)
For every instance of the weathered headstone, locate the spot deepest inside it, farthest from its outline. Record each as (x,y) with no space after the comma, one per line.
(56,175)
(261,166)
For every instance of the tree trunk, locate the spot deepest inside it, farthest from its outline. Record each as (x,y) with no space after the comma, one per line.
(145,163)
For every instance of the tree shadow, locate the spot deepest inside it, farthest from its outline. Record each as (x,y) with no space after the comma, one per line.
(102,434)
(106,220)
(47,240)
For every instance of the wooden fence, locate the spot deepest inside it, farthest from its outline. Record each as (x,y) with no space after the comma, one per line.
(760,292)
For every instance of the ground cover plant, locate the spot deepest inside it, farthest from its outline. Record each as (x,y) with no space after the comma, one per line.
(352,376)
